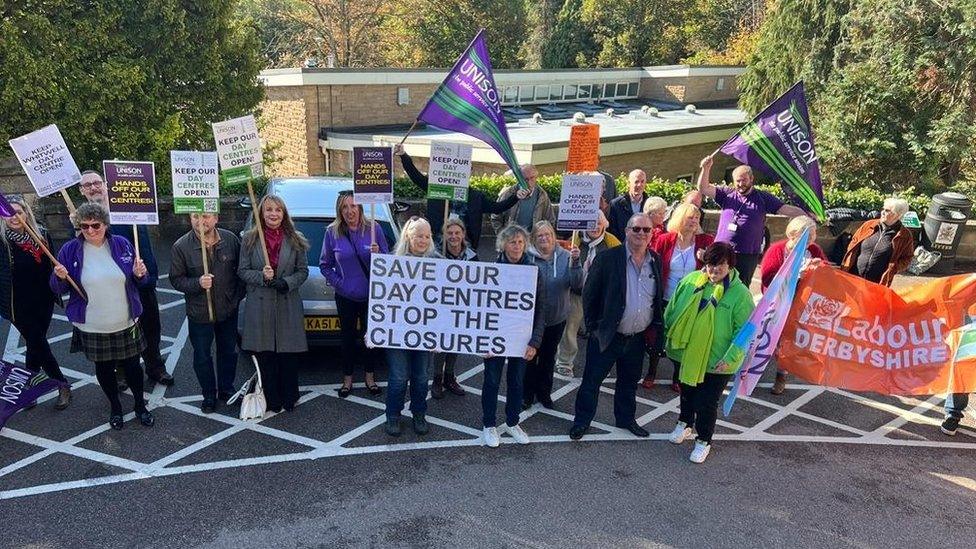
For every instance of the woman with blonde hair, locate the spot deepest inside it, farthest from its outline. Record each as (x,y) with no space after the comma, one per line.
(774,258)
(275,327)
(561,272)
(680,250)
(26,299)
(411,365)
(347,250)
(657,209)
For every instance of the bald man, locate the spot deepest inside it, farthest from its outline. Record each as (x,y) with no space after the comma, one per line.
(743,218)
(625,206)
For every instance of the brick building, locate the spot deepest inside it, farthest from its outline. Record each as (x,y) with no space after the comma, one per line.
(312,118)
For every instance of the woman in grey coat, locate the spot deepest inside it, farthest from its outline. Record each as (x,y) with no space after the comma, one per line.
(274,327)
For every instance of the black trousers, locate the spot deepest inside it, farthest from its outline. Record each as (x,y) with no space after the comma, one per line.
(538,373)
(699,404)
(746,265)
(151,329)
(279,374)
(33,328)
(352,326)
(105,374)
(627,352)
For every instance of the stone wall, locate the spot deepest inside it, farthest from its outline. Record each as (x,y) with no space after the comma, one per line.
(289,125)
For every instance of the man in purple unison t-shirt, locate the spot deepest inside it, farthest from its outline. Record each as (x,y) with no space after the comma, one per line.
(743,216)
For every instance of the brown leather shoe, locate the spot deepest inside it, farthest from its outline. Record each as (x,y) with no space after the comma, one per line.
(452,385)
(779,385)
(64,397)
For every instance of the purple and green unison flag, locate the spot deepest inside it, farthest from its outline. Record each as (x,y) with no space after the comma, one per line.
(468,102)
(20,387)
(5,209)
(779,141)
(754,345)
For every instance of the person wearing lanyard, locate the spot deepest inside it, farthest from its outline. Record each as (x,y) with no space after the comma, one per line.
(621,300)
(679,249)
(743,218)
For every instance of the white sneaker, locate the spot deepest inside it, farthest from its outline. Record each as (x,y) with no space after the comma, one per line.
(519,434)
(700,452)
(489,437)
(681,433)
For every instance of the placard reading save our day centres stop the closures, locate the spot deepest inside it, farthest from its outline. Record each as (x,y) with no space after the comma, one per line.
(428,304)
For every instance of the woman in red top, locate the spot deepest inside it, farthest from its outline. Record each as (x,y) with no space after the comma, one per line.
(774,258)
(679,252)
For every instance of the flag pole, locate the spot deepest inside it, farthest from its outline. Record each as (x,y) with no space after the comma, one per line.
(412,126)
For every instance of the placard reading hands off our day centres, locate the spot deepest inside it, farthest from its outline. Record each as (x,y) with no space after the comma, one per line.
(428,304)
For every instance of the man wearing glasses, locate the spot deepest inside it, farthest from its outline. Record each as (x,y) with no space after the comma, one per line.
(93,189)
(621,301)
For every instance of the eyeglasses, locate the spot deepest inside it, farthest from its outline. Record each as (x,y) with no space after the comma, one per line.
(90,184)
(641,229)
(90,226)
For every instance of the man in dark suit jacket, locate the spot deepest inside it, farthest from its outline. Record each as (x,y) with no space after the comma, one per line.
(472,211)
(625,206)
(622,299)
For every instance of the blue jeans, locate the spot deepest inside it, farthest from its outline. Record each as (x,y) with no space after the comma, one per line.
(404,365)
(202,336)
(955,404)
(513,395)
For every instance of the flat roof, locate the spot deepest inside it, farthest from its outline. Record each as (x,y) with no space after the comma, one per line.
(326,77)
(548,142)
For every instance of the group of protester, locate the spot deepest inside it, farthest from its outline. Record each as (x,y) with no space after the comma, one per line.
(646,281)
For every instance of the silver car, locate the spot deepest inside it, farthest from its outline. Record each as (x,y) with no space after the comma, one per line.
(311,203)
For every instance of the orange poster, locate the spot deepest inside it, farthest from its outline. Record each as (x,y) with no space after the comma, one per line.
(584,148)
(844,331)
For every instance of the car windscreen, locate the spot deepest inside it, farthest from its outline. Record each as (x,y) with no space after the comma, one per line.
(314,231)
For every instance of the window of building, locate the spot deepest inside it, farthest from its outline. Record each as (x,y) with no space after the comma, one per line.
(525,93)
(597,92)
(511,95)
(555,93)
(584,91)
(632,89)
(720,84)
(569,91)
(542,93)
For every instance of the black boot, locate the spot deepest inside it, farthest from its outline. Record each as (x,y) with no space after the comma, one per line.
(437,389)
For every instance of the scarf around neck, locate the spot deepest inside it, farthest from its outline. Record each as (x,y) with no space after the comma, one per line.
(273,238)
(694,326)
(24,242)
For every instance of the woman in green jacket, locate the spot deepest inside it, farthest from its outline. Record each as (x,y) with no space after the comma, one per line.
(707,310)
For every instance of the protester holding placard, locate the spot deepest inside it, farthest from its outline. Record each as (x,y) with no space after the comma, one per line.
(625,206)
(458,249)
(511,245)
(94,189)
(26,299)
(346,251)
(680,250)
(774,258)
(471,212)
(561,272)
(275,327)
(881,248)
(106,318)
(410,364)
(621,301)
(706,311)
(590,244)
(534,204)
(186,274)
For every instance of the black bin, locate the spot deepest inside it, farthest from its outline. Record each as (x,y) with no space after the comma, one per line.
(945,222)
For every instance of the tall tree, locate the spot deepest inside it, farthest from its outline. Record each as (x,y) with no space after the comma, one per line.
(571,42)
(634,33)
(126,79)
(349,31)
(286,38)
(433,33)
(900,109)
(542,17)
(796,42)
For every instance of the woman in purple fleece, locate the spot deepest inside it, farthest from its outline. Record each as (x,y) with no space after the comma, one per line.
(346,251)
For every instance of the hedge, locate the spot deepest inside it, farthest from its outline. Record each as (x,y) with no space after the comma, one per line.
(865,198)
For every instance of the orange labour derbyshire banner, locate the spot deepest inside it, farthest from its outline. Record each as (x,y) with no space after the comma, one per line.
(844,331)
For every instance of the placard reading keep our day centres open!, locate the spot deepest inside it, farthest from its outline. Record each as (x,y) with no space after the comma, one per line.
(420,303)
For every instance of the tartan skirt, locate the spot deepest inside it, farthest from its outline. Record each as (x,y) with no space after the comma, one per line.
(119,345)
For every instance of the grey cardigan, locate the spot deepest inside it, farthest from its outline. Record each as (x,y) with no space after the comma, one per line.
(559,275)
(186,268)
(275,322)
